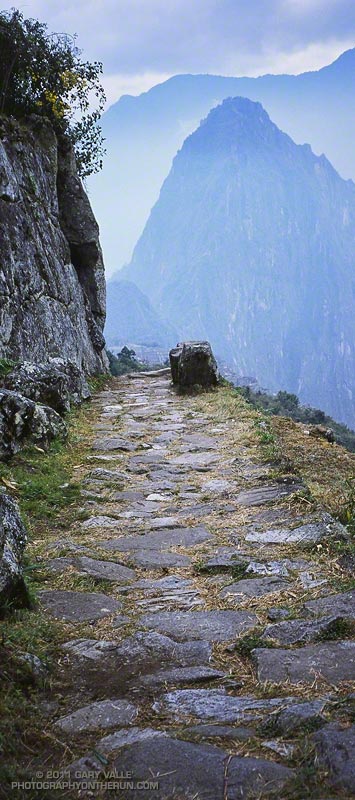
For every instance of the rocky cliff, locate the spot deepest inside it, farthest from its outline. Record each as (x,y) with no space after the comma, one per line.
(52,285)
(251,246)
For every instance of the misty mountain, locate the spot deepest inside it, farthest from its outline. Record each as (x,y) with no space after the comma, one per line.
(144,133)
(130,318)
(251,246)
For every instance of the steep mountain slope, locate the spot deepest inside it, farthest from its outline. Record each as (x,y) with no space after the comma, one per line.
(132,319)
(144,133)
(251,245)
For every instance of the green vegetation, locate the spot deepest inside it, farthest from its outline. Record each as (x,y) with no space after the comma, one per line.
(124,362)
(288,405)
(48,496)
(42,481)
(42,73)
(6,366)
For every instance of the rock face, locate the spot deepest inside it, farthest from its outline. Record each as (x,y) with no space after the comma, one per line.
(193,363)
(251,246)
(52,287)
(12,543)
(56,384)
(24,422)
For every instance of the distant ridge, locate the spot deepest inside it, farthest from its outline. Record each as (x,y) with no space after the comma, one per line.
(131,318)
(251,245)
(144,133)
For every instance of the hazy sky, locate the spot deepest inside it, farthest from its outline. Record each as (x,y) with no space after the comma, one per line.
(142,42)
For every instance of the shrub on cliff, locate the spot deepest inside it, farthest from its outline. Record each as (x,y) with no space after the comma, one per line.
(43,73)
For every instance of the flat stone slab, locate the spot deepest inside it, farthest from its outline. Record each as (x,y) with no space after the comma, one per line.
(157,498)
(160,540)
(160,585)
(333,662)
(101,521)
(298,631)
(305,534)
(125,737)
(108,745)
(195,460)
(181,769)
(216,704)
(335,747)
(102,715)
(253,587)
(107,570)
(183,599)
(78,606)
(112,409)
(157,559)
(280,569)
(217,486)
(165,522)
(341,605)
(154,457)
(140,510)
(213,626)
(225,558)
(170,590)
(113,665)
(198,440)
(256,778)
(180,676)
(113,443)
(128,494)
(300,716)
(268,494)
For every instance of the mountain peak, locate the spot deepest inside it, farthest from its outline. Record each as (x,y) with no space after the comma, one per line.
(345,60)
(250,246)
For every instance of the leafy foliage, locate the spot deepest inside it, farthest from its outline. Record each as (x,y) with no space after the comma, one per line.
(6,366)
(285,404)
(43,73)
(124,362)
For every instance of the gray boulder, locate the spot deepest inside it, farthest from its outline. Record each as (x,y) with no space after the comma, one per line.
(174,357)
(193,363)
(24,422)
(57,383)
(13,539)
(335,753)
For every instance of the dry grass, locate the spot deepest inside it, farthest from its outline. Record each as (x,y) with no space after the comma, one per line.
(327,469)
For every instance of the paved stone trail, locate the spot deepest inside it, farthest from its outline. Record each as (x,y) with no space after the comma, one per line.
(195,549)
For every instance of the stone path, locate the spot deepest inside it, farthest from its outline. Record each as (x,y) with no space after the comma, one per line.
(208,664)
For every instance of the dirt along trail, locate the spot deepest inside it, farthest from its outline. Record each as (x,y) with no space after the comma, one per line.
(211,659)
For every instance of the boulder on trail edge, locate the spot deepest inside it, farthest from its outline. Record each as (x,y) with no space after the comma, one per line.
(193,364)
